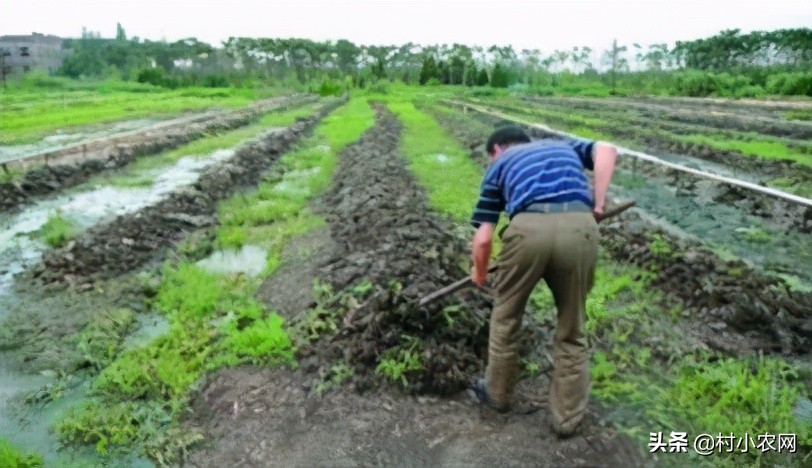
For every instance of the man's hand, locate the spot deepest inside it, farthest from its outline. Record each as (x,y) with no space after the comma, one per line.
(597,212)
(478,277)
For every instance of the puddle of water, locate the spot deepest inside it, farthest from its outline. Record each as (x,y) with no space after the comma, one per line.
(62,138)
(249,260)
(86,207)
(147,328)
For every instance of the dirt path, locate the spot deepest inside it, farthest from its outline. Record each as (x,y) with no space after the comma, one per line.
(380,232)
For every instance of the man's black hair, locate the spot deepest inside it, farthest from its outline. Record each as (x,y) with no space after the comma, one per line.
(506,136)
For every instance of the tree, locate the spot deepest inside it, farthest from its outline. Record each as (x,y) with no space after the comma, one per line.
(617,63)
(482,77)
(499,77)
(120,35)
(5,69)
(429,70)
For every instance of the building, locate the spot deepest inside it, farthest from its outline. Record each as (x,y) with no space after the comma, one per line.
(33,52)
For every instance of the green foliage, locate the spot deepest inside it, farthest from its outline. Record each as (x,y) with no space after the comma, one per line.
(797,84)
(754,396)
(754,235)
(11,457)
(396,363)
(660,247)
(452,182)
(99,424)
(100,341)
(35,111)
(750,145)
(329,88)
(499,77)
(337,374)
(58,230)
(263,341)
(162,370)
(189,293)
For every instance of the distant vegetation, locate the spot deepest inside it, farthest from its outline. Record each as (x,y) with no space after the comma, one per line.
(730,64)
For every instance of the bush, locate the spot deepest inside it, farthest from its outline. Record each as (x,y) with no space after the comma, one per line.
(329,87)
(791,84)
(215,81)
(382,87)
(153,76)
(749,91)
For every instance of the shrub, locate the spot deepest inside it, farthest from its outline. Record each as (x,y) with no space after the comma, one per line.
(329,87)
(793,84)
(153,76)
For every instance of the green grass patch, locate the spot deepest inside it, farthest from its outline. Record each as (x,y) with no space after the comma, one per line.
(57,230)
(13,457)
(100,341)
(759,146)
(32,112)
(689,391)
(438,161)
(803,115)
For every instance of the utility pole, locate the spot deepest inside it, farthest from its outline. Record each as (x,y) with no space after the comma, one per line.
(3,70)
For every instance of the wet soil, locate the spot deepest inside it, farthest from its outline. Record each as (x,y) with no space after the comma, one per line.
(728,305)
(132,240)
(267,417)
(380,231)
(73,165)
(718,116)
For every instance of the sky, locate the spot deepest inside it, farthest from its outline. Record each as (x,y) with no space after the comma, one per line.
(543,24)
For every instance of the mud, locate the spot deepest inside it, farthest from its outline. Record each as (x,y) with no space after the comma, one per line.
(380,232)
(73,165)
(380,223)
(729,305)
(132,240)
(267,417)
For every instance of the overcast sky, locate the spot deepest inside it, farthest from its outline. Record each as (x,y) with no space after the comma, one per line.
(546,25)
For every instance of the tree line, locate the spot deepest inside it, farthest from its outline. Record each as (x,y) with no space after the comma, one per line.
(729,63)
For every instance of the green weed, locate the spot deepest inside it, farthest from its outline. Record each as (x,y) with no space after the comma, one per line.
(57,230)
(337,374)
(453,181)
(100,340)
(396,363)
(660,248)
(12,457)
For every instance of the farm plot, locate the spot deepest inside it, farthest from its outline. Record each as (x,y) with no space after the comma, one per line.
(284,326)
(27,175)
(71,333)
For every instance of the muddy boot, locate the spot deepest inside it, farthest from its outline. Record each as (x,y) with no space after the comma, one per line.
(479,391)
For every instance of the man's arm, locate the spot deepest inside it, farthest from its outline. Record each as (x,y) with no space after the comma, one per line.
(604,156)
(481,252)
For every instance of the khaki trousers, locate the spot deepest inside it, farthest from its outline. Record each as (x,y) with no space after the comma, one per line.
(562,249)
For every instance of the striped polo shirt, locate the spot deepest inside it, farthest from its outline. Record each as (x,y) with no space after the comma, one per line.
(543,171)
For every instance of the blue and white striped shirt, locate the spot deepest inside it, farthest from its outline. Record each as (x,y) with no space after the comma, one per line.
(543,171)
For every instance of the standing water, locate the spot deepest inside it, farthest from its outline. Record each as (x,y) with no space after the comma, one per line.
(30,425)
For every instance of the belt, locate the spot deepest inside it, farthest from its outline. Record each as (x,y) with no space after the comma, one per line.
(573,206)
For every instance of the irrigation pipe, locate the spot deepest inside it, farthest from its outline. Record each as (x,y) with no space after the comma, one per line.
(649,158)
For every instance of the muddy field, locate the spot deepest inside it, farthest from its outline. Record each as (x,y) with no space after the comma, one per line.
(375,379)
(271,417)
